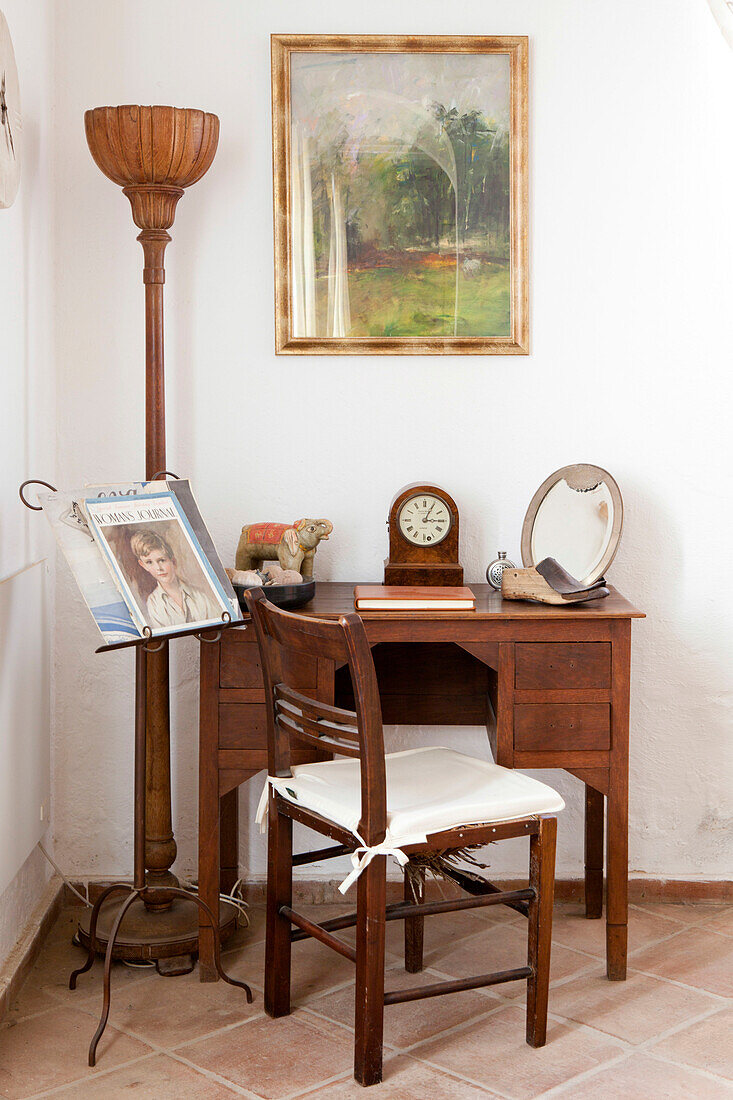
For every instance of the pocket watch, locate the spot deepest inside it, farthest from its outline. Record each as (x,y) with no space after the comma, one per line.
(496,568)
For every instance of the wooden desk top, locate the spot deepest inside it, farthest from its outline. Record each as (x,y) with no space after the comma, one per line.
(337,598)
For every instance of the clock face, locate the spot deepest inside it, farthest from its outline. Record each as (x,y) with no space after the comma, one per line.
(424,519)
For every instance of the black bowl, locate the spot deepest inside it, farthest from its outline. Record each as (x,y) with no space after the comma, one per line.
(282,595)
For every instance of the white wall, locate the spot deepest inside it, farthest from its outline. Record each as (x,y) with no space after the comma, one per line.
(631,239)
(27,449)
(25,747)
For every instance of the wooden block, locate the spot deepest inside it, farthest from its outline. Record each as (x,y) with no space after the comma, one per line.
(527,584)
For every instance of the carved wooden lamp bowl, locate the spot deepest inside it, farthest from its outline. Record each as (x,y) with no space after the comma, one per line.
(153,153)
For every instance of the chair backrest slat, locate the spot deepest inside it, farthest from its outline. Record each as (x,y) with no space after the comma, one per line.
(291,715)
(316,726)
(324,744)
(316,709)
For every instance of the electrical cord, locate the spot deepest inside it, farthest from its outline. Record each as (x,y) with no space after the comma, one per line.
(63,877)
(234,898)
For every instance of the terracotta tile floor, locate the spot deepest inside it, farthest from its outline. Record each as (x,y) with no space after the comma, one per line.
(666,1032)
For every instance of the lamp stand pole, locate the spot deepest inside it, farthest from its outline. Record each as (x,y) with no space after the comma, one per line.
(154,153)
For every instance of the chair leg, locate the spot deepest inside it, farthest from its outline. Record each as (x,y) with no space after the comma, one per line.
(279,893)
(542,879)
(369,992)
(414,926)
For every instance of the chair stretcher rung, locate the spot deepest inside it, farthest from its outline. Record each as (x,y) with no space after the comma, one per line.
(318,932)
(476,901)
(322,853)
(400,911)
(478,889)
(396,996)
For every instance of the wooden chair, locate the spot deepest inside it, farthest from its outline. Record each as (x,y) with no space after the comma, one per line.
(424,800)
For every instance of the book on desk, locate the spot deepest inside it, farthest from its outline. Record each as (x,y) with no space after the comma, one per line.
(381,597)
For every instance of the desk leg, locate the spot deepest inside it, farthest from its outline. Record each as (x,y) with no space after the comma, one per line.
(617,898)
(593,853)
(229,840)
(208,875)
(617,817)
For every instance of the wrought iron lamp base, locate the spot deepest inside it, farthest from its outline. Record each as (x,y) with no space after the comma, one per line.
(170,939)
(116,911)
(134,895)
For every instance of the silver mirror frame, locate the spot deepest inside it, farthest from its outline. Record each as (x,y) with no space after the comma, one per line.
(581,476)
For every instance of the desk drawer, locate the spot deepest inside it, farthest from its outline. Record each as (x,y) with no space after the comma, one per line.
(569,665)
(545,727)
(240,667)
(243,726)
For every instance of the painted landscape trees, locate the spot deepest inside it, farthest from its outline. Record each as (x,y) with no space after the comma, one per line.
(400,215)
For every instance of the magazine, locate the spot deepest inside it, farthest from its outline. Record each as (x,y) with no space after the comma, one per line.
(178,584)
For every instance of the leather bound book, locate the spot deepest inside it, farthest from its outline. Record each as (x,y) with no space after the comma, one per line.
(381,597)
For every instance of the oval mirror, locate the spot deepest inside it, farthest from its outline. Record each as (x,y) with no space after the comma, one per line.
(575,517)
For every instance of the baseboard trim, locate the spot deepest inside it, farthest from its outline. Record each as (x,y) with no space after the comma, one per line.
(20,961)
(326,892)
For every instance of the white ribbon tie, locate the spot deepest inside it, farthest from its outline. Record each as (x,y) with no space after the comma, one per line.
(362,856)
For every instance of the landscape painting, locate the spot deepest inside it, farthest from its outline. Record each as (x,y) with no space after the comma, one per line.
(400,212)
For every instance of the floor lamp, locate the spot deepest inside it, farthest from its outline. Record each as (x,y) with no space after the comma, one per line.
(153,153)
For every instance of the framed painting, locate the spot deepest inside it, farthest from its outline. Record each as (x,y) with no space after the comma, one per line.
(400,194)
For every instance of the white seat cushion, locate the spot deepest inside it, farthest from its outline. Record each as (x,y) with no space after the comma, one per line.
(428,789)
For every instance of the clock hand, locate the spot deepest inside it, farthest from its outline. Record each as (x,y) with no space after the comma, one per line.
(425,518)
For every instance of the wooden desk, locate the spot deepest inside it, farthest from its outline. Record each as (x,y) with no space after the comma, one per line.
(551,684)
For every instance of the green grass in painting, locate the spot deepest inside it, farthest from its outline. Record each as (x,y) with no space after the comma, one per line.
(392,301)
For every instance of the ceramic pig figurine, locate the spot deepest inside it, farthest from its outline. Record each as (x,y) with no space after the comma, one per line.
(294,547)
(248,578)
(276,575)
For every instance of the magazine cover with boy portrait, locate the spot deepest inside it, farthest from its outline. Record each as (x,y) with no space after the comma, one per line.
(158,562)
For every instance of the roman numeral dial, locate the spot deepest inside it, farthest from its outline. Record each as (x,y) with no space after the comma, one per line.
(424,520)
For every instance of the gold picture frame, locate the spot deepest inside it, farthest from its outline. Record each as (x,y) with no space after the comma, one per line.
(490,291)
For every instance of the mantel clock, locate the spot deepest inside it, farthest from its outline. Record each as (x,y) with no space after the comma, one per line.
(423,538)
